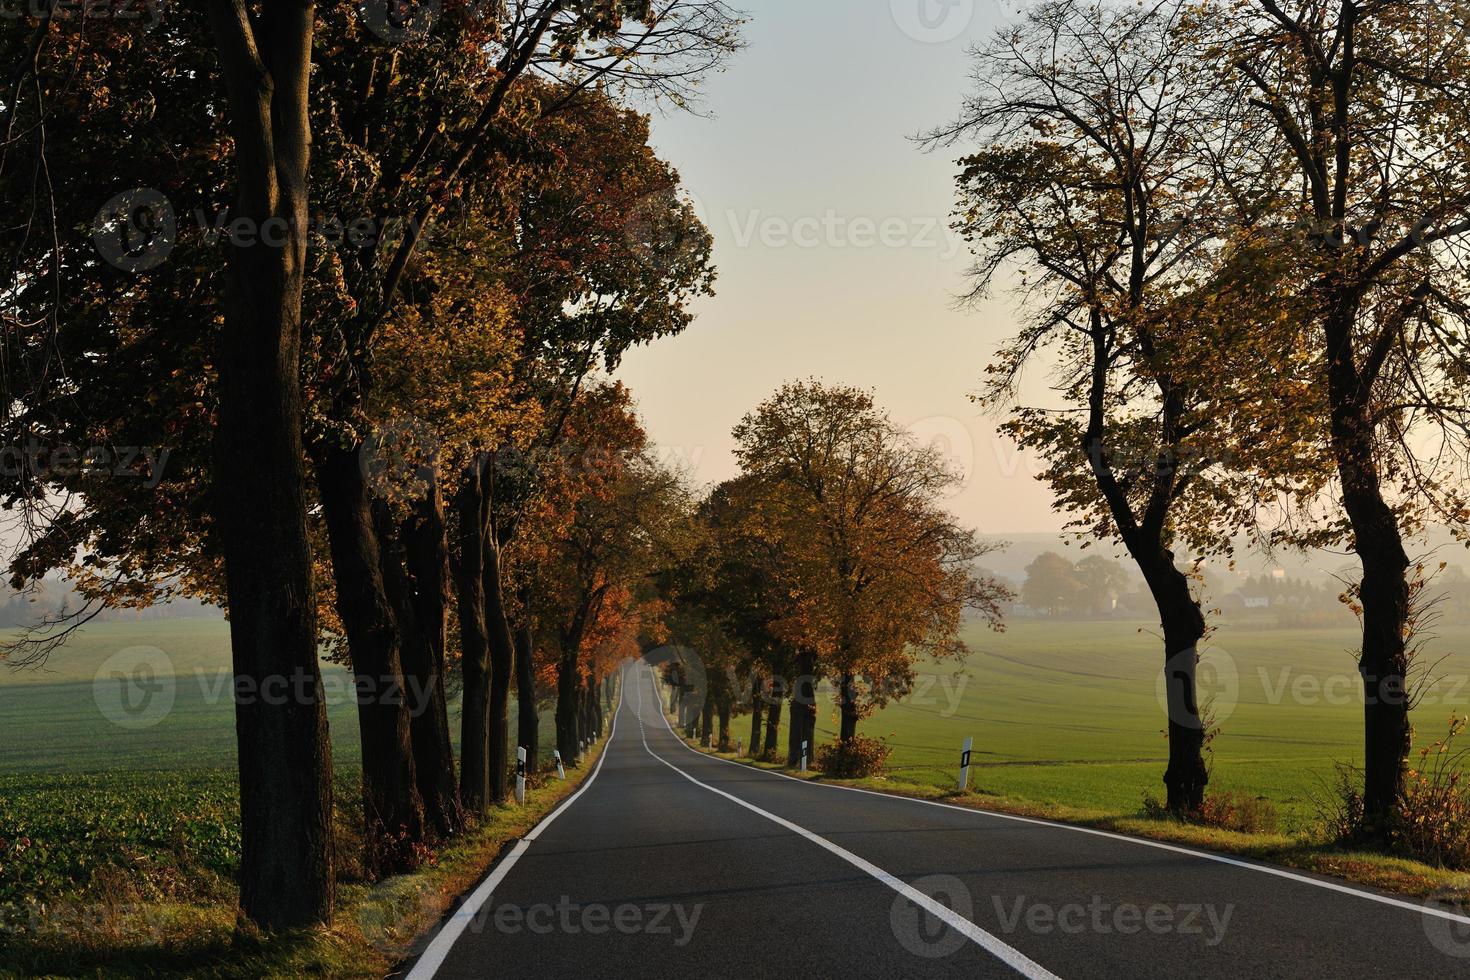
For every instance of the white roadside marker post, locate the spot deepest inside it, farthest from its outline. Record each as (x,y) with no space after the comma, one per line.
(561,772)
(520,774)
(739,747)
(965,764)
(803,755)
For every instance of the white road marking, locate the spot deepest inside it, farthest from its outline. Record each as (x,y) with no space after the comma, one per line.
(1008,955)
(428,964)
(1140,841)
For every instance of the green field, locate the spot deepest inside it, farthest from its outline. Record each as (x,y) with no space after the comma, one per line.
(1068,713)
(56,719)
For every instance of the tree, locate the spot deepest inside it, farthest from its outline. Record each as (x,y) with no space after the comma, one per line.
(1052,584)
(1102,581)
(882,574)
(286,876)
(750,593)
(1140,258)
(1368,105)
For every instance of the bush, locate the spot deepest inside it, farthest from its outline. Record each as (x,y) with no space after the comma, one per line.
(1239,812)
(1433,822)
(853,759)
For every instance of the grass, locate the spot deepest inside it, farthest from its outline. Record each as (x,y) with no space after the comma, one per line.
(119,845)
(1067,714)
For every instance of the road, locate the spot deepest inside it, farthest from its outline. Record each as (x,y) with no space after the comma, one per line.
(670,863)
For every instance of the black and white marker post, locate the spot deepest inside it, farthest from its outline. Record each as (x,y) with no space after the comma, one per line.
(561,772)
(804,745)
(965,764)
(520,774)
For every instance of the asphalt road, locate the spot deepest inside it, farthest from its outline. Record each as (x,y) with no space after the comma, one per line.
(669,863)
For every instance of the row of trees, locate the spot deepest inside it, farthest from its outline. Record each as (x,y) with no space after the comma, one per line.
(364,299)
(1239,230)
(829,558)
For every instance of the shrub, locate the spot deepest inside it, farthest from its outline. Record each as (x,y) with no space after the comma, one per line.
(854,759)
(1433,820)
(1154,808)
(1239,812)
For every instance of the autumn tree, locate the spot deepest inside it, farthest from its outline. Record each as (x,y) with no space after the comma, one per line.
(1052,584)
(1368,106)
(1097,185)
(750,592)
(884,575)
(396,155)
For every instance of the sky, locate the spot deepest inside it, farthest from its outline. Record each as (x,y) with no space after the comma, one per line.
(832,242)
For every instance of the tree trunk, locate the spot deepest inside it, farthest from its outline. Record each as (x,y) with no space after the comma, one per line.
(847,703)
(594,706)
(1384,591)
(285,756)
(502,661)
(568,682)
(472,505)
(425,555)
(803,709)
(755,715)
(1184,626)
(394,813)
(724,743)
(773,727)
(528,731)
(707,722)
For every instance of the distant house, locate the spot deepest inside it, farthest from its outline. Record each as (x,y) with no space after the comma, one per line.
(1240,599)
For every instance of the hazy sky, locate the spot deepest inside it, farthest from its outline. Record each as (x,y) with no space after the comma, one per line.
(832,241)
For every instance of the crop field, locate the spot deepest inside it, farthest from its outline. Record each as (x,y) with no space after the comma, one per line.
(140,797)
